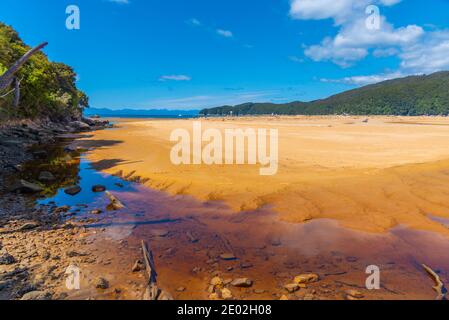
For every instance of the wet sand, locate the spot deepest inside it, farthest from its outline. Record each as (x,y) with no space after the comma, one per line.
(370,176)
(392,199)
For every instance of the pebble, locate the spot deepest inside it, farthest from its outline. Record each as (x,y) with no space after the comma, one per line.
(101,283)
(291,287)
(242,283)
(306,278)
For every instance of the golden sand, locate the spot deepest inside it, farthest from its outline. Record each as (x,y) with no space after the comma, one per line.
(369,176)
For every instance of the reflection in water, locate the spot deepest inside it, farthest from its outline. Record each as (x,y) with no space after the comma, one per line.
(268,251)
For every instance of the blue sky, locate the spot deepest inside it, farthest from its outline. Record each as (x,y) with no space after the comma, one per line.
(185,54)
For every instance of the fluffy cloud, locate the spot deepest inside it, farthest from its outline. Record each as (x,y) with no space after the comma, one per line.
(175,77)
(339,10)
(419,51)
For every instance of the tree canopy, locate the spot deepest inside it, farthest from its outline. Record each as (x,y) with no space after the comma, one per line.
(47,89)
(410,96)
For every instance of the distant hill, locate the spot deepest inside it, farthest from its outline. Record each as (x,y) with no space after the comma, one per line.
(104,112)
(414,95)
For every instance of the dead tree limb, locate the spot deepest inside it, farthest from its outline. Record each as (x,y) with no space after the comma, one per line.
(7,78)
(152,291)
(439,287)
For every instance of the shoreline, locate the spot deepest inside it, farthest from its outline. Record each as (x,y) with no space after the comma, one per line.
(191,237)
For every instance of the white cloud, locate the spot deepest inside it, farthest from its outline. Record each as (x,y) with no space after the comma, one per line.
(175,77)
(338,10)
(365,80)
(120,1)
(427,56)
(354,40)
(419,52)
(225,33)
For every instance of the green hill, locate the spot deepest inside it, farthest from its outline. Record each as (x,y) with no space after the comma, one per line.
(414,95)
(48,89)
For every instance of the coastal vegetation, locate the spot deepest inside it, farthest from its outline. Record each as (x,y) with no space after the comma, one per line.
(47,89)
(410,96)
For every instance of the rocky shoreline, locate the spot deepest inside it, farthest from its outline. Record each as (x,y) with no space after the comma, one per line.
(36,243)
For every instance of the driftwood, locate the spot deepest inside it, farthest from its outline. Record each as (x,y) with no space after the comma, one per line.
(152,291)
(439,287)
(115,202)
(8,77)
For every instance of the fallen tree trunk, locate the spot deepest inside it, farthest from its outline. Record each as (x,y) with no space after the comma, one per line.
(152,291)
(439,287)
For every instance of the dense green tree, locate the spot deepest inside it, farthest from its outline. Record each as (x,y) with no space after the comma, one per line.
(48,89)
(415,95)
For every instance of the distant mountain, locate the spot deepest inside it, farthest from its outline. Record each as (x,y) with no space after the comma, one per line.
(104,112)
(414,95)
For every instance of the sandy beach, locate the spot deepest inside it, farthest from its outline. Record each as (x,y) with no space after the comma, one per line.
(368,174)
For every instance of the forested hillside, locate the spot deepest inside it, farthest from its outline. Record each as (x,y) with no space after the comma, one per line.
(47,89)
(414,95)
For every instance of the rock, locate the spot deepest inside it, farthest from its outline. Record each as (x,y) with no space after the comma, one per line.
(291,287)
(246,265)
(276,242)
(73,253)
(7,259)
(138,266)
(28,226)
(216,282)
(36,295)
(191,237)
(26,187)
(242,283)
(213,296)
(46,176)
(101,283)
(259,291)
(79,125)
(5,284)
(164,295)
(181,289)
(72,191)
(283,297)
(96,211)
(353,294)
(227,256)
(226,294)
(98,188)
(159,233)
(62,209)
(306,278)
